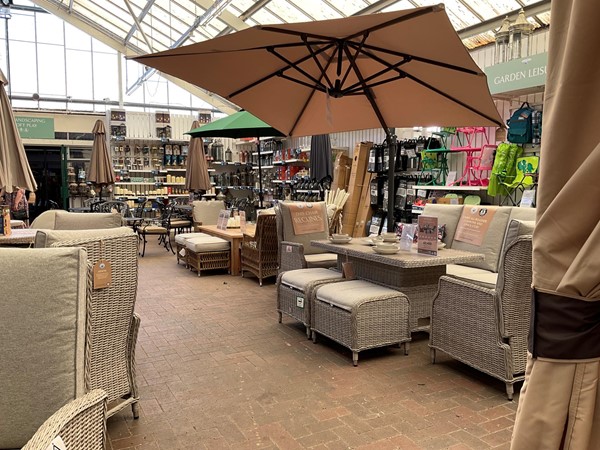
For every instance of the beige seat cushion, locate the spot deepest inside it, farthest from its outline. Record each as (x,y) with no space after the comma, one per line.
(180,223)
(447,215)
(47,238)
(472,274)
(206,244)
(43,322)
(152,229)
(526,214)
(45,221)
(347,294)
(304,239)
(299,278)
(182,237)
(321,260)
(84,221)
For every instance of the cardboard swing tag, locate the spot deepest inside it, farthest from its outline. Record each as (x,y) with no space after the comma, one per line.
(102,274)
(57,444)
(348,271)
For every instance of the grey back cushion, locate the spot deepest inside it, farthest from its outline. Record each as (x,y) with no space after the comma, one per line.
(207,213)
(491,246)
(43,317)
(304,239)
(85,221)
(46,238)
(447,215)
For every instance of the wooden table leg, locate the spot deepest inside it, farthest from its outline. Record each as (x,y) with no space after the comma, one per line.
(235,256)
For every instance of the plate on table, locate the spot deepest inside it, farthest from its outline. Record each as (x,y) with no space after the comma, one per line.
(340,240)
(391,250)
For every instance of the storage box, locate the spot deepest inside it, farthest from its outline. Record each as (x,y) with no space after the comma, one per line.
(360,158)
(341,172)
(365,211)
(446,201)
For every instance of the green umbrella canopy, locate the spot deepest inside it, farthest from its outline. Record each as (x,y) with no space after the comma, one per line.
(242,124)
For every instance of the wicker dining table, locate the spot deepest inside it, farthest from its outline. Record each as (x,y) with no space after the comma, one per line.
(22,237)
(414,274)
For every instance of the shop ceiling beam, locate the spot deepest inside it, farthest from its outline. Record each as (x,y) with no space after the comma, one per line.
(139,26)
(58,9)
(70,6)
(140,18)
(472,10)
(230,19)
(530,10)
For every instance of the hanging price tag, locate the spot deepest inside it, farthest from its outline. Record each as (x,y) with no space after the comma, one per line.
(102,274)
(57,444)
(348,271)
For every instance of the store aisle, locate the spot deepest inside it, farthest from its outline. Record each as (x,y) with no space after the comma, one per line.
(216,370)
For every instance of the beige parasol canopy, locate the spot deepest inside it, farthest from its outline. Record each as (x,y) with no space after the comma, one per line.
(559,406)
(196,172)
(101,170)
(14,167)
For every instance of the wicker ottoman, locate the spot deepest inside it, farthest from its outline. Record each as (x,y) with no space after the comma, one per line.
(360,315)
(207,253)
(294,290)
(180,245)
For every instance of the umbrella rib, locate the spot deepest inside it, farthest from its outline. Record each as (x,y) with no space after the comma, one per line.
(389,68)
(319,87)
(358,50)
(295,66)
(358,89)
(316,60)
(450,97)
(276,73)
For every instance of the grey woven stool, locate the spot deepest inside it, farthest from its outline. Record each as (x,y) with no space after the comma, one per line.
(360,315)
(207,253)
(180,240)
(294,291)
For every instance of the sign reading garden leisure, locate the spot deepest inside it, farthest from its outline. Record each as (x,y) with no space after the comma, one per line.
(517,74)
(35,127)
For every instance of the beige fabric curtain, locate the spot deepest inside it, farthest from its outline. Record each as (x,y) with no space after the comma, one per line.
(14,167)
(559,407)
(196,173)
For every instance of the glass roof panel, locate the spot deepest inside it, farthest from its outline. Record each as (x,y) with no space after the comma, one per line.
(349,6)
(489,9)
(317,9)
(242,5)
(262,16)
(286,11)
(99,19)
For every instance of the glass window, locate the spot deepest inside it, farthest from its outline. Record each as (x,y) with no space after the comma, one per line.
(23,67)
(98,46)
(263,16)
(179,96)
(317,9)
(133,71)
(51,69)
(76,39)
(79,74)
(21,27)
(106,76)
(349,6)
(287,12)
(49,29)
(3,56)
(155,90)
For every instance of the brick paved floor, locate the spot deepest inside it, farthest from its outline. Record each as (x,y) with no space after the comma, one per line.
(216,370)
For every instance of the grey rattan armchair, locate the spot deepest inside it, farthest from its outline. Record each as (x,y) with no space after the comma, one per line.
(81,424)
(486,326)
(113,326)
(259,252)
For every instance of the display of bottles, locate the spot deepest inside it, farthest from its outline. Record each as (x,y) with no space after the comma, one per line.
(228,155)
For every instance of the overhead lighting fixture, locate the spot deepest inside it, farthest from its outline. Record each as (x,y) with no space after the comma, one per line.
(213,11)
(5,9)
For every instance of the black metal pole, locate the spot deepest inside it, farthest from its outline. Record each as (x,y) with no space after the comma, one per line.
(260,186)
(392,147)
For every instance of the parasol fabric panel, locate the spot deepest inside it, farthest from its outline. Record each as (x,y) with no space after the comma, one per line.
(559,406)
(321,165)
(101,170)
(196,171)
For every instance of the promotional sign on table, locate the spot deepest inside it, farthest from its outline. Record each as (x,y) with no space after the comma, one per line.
(473,224)
(223,219)
(306,218)
(527,198)
(428,233)
(243,221)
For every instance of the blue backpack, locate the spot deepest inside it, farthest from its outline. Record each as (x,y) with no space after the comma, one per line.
(520,125)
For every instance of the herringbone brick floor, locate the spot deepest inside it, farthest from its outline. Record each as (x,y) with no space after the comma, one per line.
(216,370)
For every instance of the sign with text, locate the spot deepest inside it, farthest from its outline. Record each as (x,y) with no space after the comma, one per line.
(223,219)
(243,221)
(473,224)
(517,74)
(35,127)
(306,218)
(428,235)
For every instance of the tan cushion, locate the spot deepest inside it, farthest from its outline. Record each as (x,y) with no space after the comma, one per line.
(528,214)
(152,229)
(43,317)
(321,260)
(447,215)
(206,244)
(47,238)
(347,294)
(299,278)
(518,228)
(182,237)
(304,239)
(85,221)
(491,246)
(207,213)
(45,221)
(180,223)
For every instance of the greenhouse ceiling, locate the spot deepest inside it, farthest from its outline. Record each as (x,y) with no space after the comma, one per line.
(135,27)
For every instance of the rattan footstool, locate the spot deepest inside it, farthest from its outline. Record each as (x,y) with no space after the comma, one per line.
(360,315)
(180,239)
(207,253)
(294,290)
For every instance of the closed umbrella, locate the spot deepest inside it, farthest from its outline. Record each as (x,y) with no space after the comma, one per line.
(321,165)
(101,172)
(241,124)
(396,69)
(196,172)
(559,406)
(14,167)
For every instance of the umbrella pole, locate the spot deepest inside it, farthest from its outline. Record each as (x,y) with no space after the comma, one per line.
(392,147)
(260,185)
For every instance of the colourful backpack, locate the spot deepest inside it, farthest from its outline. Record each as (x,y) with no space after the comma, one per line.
(520,125)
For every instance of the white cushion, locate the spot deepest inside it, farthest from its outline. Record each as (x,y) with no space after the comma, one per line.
(299,278)
(206,244)
(321,260)
(182,237)
(347,294)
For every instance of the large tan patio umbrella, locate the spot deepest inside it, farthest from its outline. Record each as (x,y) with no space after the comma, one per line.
(559,406)
(14,167)
(397,69)
(101,171)
(196,171)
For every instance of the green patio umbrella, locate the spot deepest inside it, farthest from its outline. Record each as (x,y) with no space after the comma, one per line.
(242,124)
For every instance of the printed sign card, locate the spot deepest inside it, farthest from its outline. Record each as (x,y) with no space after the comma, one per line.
(102,274)
(527,198)
(243,221)
(428,235)
(451,178)
(223,219)
(473,224)
(306,219)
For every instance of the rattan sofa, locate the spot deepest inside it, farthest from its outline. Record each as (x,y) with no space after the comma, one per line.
(486,326)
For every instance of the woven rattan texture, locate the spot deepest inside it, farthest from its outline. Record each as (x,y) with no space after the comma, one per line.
(81,424)
(181,253)
(259,255)
(202,261)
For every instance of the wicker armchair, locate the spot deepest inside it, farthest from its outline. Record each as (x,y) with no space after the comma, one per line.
(81,424)
(259,252)
(486,326)
(113,325)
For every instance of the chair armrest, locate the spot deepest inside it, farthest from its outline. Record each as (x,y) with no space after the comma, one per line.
(291,256)
(81,423)
(131,344)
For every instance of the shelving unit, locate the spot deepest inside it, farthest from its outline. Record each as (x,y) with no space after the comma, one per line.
(450,188)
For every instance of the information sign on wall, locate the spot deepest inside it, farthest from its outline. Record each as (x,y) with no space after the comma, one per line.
(517,74)
(35,127)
